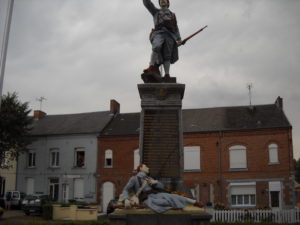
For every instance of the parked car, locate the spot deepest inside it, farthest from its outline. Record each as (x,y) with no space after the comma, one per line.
(1,211)
(34,203)
(15,198)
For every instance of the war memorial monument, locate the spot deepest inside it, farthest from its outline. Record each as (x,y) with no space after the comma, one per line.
(157,194)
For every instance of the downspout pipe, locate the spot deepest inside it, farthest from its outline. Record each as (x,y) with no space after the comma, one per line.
(219,181)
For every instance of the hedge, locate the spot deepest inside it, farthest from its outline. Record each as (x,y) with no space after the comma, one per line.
(47,211)
(251,223)
(98,222)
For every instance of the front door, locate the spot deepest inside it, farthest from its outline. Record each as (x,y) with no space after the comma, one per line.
(108,193)
(275,199)
(54,189)
(275,194)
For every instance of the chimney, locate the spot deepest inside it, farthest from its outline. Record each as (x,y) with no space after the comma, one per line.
(279,102)
(114,106)
(38,114)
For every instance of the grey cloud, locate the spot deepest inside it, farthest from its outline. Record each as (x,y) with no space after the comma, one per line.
(79,54)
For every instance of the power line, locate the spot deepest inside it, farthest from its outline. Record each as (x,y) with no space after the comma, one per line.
(5,44)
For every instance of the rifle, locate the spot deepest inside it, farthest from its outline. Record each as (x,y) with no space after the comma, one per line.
(192,35)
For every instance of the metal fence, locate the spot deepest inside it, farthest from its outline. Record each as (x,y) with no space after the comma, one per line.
(276,216)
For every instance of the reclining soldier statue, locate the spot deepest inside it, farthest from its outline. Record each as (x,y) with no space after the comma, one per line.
(151,193)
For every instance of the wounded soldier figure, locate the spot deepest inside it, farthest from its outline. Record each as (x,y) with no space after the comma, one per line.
(151,193)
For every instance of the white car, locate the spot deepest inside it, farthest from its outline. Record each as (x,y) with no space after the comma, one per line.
(15,198)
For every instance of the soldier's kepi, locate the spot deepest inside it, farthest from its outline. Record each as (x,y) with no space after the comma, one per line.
(165,37)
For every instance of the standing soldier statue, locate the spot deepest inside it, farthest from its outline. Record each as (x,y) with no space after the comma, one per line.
(165,38)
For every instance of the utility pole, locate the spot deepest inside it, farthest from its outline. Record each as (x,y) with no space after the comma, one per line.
(9,12)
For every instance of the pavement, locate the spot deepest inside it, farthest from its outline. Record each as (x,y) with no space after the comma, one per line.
(11,216)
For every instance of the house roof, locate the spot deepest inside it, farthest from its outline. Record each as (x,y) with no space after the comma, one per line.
(209,120)
(83,123)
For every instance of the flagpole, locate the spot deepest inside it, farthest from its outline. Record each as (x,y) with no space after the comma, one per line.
(5,44)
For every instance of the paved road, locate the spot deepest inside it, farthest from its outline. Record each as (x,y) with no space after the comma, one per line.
(16,216)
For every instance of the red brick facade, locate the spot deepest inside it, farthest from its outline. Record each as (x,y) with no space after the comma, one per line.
(215,176)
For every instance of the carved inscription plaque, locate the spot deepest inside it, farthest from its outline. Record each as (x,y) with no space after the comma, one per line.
(161,143)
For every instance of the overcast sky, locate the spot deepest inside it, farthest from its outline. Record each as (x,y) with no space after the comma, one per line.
(79,54)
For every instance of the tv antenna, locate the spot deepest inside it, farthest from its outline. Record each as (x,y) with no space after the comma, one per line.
(41,99)
(249,87)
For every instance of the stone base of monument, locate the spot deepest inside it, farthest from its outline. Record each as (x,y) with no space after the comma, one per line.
(152,77)
(188,216)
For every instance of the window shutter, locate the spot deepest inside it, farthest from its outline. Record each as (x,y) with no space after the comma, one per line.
(243,190)
(238,158)
(136,159)
(273,153)
(192,158)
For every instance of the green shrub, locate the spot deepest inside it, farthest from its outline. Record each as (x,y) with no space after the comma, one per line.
(47,211)
(250,223)
(65,204)
(96,222)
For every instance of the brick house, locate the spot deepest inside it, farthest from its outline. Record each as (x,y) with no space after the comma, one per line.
(239,156)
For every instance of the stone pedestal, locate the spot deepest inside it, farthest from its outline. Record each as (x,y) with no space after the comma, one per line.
(161,140)
(161,149)
(171,217)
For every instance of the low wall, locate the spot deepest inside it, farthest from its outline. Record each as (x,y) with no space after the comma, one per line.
(74,213)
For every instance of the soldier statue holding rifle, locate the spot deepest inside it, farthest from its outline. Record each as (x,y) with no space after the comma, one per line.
(165,39)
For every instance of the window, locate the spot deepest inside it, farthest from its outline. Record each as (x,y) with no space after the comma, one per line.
(31,159)
(54,157)
(54,188)
(273,154)
(238,158)
(108,158)
(136,159)
(2,186)
(79,157)
(243,200)
(243,194)
(4,157)
(192,158)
